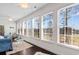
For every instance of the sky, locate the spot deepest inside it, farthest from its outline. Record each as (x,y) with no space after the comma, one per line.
(73,20)
(46,20)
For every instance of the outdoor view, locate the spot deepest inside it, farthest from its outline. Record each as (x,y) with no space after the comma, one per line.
(25,27)
(36,28)
(29,24)
(19,29)
(69,25)
(47,26)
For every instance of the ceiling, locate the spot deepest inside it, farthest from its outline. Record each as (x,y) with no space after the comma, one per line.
(15,12)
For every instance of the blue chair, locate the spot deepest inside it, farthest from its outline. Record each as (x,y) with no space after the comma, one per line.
(5,45)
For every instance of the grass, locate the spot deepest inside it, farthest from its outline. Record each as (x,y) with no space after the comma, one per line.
(74,39)
(46,36)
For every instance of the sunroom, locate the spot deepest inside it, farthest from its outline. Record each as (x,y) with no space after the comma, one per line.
(46,28)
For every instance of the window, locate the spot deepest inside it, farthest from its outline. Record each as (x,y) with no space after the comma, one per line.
(36,28)
(21,28)
(69,25)
(29,24)
(47,26)
(25,27)
(18,30)
(62,26)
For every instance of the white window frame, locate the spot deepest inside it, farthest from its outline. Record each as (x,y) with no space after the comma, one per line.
(22,25)
(42,37)
(58,28)
(37,18)
(32,28)
(20,28)
(17,27)
(25,27)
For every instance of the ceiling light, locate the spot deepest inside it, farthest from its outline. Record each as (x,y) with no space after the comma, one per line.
(10,19)
(23,5)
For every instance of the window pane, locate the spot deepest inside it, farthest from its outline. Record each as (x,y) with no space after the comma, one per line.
(47,27)
(73,23)
(21,29)
(69,25)
(36,27)
(65,26)
(18,30)
(29,27)
(62,25)
(25,28)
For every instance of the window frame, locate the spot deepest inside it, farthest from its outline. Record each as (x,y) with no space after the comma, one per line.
(17,28)
(32,28)
(58,27)
(24,27)
(42,32)
(37,18)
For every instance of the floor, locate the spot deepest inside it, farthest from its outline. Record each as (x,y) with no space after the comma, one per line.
(33,50)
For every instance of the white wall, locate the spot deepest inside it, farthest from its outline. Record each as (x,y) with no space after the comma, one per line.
(7,24)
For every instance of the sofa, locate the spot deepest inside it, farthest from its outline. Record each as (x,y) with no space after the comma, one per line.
(5,45)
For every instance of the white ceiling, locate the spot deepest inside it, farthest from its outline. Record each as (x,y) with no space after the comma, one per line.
(12,10)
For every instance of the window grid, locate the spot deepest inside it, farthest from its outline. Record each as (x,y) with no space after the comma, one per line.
(47,38)
(36,31)
(72,30)
(24,25)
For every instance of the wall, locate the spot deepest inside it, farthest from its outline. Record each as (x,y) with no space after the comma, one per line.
(7,24)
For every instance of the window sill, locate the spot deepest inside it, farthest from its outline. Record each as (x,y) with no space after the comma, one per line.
(69,46)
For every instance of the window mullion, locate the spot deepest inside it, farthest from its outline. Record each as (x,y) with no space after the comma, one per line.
(41,28)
